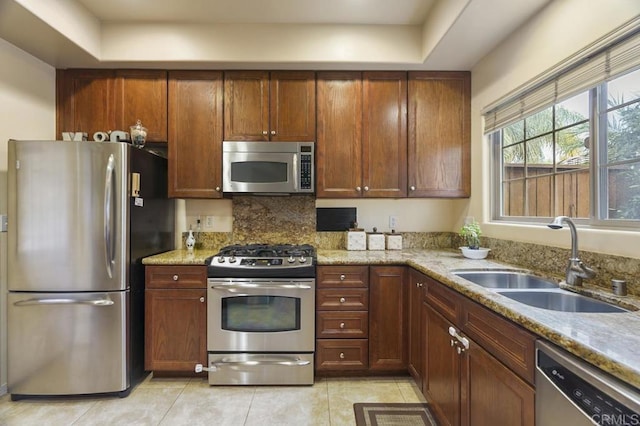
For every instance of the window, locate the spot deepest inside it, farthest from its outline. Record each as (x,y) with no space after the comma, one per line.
(570,144)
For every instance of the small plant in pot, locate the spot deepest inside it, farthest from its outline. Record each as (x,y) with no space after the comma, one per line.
(471,232)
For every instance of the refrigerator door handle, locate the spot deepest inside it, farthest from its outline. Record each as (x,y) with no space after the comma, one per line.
(109,215)
(64,301)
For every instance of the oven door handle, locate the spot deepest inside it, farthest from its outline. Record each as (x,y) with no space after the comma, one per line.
(293,363)
(233,287)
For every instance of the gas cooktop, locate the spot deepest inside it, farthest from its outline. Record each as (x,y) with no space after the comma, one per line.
(263,260)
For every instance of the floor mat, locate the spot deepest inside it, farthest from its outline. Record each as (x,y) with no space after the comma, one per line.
(393,414)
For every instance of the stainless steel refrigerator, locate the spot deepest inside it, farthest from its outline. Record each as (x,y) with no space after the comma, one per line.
(82,215)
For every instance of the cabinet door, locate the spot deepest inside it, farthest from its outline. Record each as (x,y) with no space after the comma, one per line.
(388,294)
(339,144)
(142,95)
(384,134)
(494,395)
(175,329)
(439,134)
(417,284)
(195,134)
(85,101)
(441,385)
(246,106)
(292,106)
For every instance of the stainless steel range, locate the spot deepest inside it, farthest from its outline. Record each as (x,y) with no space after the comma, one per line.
(261,315)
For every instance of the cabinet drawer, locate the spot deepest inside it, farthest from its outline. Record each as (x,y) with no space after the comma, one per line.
(445,301)
(342,325)
(342,354)
(339,299)
(176,276)
(506,341)
(342,276)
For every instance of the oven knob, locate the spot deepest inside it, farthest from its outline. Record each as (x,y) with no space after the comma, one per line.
(291,259)
(221,259)
(303,259)
(232,259)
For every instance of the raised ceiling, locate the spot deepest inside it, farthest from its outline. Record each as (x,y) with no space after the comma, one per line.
(267,34)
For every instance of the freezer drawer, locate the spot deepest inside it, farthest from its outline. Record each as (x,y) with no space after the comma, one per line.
(67,343)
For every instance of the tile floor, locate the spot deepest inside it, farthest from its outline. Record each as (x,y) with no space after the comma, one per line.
(161,401)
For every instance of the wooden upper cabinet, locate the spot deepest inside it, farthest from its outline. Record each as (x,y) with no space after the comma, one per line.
(142,95)
(439,134)
(85,101)
(362,135)
(293,106)
(384,134)
(195,134)
(246,106)
(102,100)
(339,145)
(263,106)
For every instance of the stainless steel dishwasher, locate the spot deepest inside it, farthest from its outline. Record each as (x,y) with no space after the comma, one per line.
(569,391)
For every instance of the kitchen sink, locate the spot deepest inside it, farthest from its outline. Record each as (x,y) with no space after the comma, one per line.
(559,300)
(505,279)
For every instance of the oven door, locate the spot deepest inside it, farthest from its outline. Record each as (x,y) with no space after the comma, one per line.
(260,315)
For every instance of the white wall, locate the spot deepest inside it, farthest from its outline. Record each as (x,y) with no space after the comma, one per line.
(563,28)
(27,110)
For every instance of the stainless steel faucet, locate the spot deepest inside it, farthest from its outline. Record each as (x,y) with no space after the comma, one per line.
(576,270)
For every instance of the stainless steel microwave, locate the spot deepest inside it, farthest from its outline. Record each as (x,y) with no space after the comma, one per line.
(268,167)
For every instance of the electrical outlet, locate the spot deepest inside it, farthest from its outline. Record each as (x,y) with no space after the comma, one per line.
(393,222)
(208,222)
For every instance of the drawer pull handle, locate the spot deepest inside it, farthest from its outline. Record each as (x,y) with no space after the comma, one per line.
(342,300)
(341,325)
(341,355)
(175,278)
(202,299)
(342,277)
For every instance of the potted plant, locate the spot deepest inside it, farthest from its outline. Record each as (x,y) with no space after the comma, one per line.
(471,232)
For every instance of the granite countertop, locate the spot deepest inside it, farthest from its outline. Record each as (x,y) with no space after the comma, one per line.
(607,340)
(180,257)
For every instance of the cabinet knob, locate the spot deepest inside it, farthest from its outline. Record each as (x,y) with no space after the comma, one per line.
(273,132)
(217,189)
(341,355)
(459,350)
(358,188)
(418,285)
(452,342)
(342,277)
(341,325)
(202,299)
(413,188)
(264,132)
(175,278)
(366,188)
(342,300)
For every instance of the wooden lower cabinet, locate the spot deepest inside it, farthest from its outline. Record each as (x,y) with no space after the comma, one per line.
(415,366)
(494,395)
(175,318)
(342,319)
(441,385)
(388,295)
(466,383)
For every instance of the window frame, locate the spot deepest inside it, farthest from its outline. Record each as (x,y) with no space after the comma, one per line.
(598,183)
